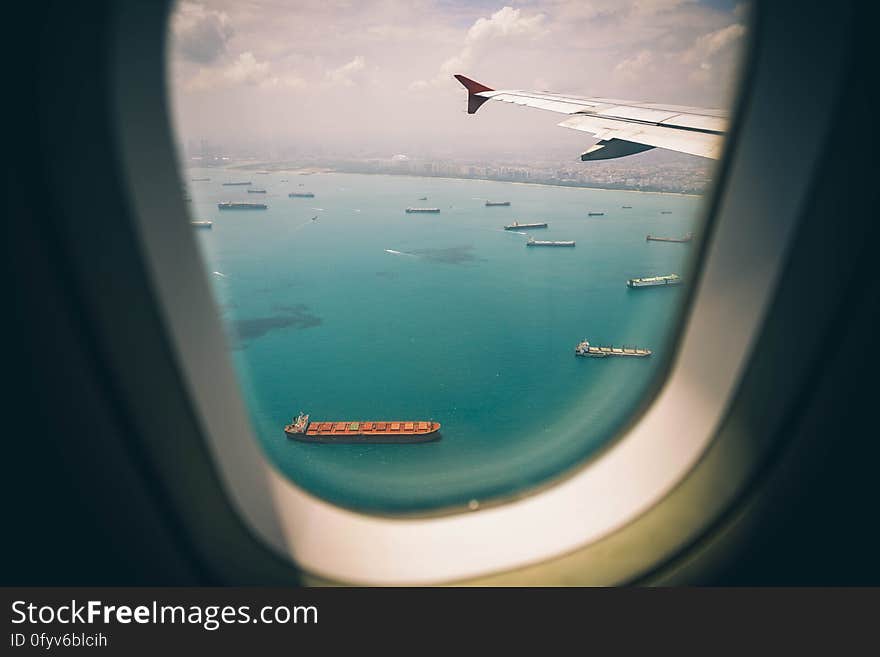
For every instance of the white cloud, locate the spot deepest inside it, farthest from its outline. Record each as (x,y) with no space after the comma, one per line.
(246,70)
(635,67)
(505,24)
(343,76)
(700,56)
(200,34)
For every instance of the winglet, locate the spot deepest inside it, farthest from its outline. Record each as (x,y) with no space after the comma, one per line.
(473,88)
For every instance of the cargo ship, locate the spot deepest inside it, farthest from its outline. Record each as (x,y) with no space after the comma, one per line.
(533,242)
(595,214)
(654,281)
(399,431)
(497,204)
(256,191)
(687,238)
(586,350)
(237,184)
(428,210)
(301,195)
(665,211)
(423,198)
(518,226)
(200,179)
(627,207)
(202,224)
(237,205)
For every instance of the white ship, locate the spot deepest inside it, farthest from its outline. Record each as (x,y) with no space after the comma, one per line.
(652,281)
(534,242)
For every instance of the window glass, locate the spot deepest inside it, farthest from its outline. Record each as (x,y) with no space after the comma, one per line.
(306,131)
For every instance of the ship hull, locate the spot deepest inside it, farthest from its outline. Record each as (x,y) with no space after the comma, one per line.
(524,226)
(368,432)
(662,284)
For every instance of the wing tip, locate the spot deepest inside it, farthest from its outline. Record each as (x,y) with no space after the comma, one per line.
(472,86)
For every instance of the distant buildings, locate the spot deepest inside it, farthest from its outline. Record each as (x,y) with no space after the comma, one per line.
(681,174)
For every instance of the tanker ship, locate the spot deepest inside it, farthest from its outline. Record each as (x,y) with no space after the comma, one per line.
(236,205)
(653,281)
(400,431)
(518,226)
(687,238)
(534,242)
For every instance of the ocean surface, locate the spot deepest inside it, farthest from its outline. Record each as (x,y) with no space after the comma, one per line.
(369,313)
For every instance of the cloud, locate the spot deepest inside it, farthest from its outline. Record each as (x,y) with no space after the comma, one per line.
(505,24)
(343,75)
(700,56)
(246,70)
(635,67)
(200,34)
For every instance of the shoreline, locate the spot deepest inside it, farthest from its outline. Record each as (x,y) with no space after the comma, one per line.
(316,170)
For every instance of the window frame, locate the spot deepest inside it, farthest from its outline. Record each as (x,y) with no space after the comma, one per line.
(742,258)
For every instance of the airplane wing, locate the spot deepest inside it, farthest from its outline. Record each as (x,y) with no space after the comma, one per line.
(623,127)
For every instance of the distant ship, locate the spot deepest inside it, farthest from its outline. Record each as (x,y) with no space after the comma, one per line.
(301,195)
(533,242)
(665,211)
(256,191)
(234,184)
(200,179)
(518,226)
(301,428)
(585,349)
(654,281)
(423,198)
(202,224)
(237,205)
(492,204)
(429,210)
(626,207)
(687,238)
(595,214)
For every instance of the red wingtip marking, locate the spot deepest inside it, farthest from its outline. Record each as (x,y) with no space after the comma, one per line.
(472,86)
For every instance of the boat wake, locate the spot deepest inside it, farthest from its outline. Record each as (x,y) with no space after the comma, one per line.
(393,252)
(217,273)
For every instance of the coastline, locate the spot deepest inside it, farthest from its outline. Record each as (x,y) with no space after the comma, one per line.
(305,171)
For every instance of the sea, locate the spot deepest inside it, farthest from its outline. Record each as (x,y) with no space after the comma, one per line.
(348,308)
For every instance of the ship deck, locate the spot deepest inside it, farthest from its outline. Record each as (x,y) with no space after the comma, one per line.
(399,428)
(601,352)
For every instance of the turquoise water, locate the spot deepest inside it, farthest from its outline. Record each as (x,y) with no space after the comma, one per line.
(463,324)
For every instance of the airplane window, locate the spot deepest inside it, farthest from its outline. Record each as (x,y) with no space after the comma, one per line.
(450,242)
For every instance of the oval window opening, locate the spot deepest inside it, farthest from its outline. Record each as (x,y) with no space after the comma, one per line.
(439,292)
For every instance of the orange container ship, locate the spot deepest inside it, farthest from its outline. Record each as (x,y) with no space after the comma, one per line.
(301,428)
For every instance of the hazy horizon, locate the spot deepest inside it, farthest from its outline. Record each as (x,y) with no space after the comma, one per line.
(377,76)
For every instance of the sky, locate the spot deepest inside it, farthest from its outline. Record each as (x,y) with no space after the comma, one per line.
(368,77)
